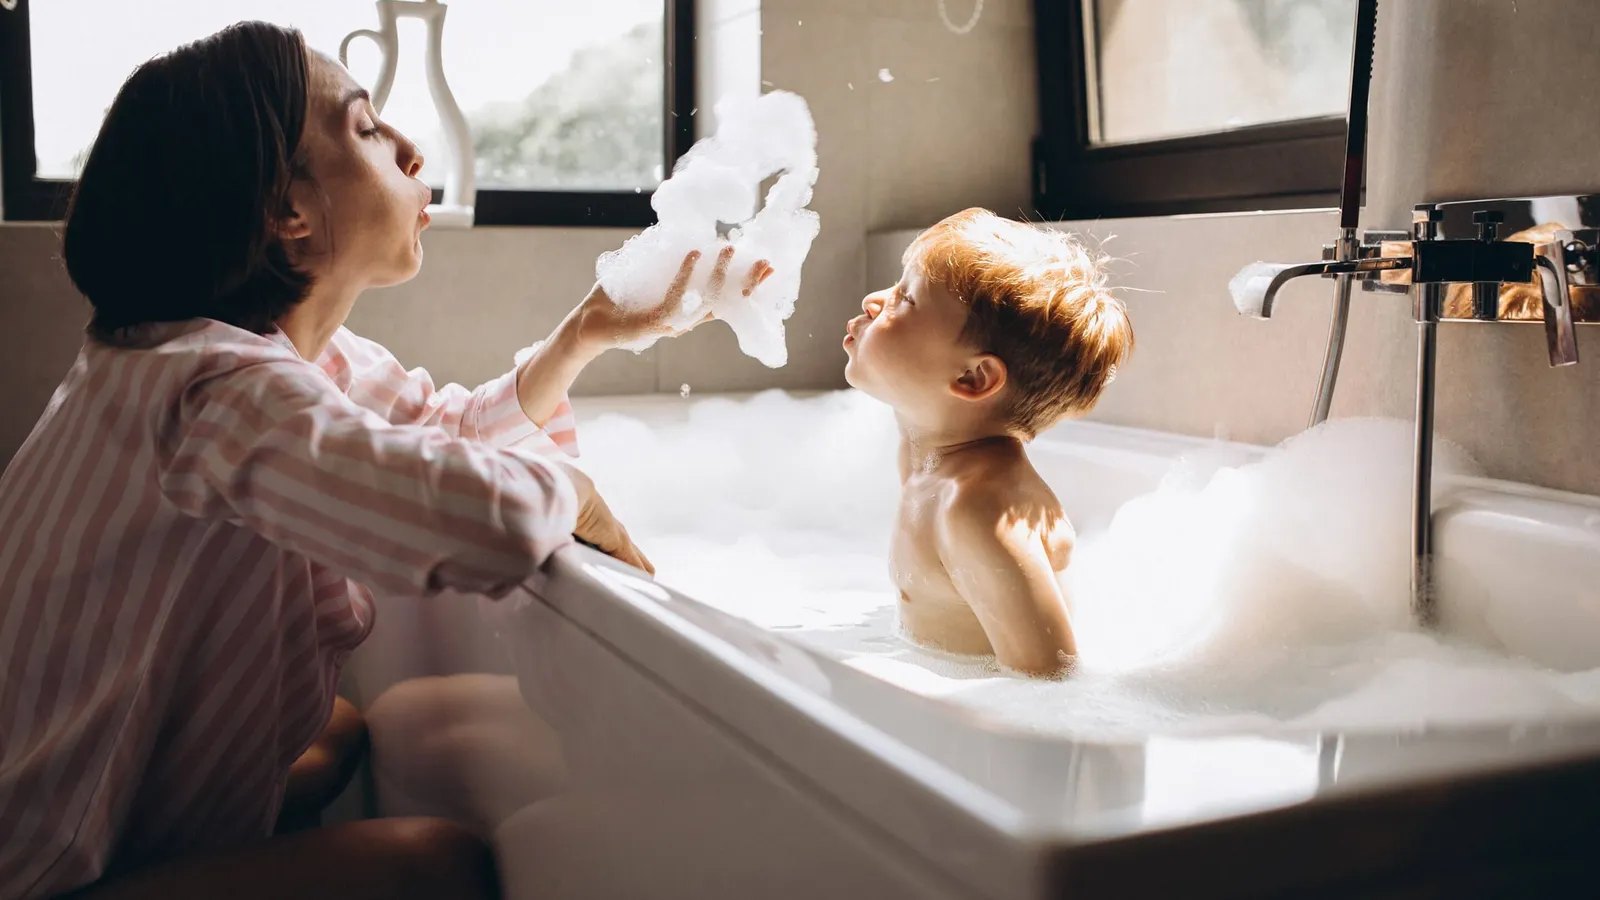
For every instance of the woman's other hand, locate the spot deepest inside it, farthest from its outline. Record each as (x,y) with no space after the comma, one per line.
(597,527)
(606,325)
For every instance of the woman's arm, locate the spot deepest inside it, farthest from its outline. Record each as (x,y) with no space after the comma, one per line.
(274,447)
(527,406)
(492,413)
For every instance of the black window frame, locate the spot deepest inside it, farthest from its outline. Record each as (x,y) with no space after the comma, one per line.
(29,198)
(1282,165)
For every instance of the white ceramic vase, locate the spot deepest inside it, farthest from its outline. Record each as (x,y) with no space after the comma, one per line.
(460,180)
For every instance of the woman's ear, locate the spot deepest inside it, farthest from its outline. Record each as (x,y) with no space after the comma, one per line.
(292,225)
(984,376)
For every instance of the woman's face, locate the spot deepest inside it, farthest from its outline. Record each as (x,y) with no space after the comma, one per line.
(357,220)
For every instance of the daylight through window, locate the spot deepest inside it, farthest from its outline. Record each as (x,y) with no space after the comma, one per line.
(560,96)
(1170,68)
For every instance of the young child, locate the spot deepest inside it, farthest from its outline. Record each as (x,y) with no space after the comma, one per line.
(995,331)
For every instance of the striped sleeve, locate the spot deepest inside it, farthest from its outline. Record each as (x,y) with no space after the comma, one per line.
(401,508)
(492,414)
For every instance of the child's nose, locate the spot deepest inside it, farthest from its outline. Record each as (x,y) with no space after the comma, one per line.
(872,305)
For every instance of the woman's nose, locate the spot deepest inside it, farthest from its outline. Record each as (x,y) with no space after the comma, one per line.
(410,158)
(872,305)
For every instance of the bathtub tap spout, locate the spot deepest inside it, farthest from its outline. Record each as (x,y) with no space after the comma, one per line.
(1359,269)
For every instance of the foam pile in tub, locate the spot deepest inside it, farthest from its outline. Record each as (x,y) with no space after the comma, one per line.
(1263,595)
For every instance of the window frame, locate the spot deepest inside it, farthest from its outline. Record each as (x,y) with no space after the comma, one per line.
(1280,165)
(29,198)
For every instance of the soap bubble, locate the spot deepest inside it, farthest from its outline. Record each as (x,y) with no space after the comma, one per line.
(716,183)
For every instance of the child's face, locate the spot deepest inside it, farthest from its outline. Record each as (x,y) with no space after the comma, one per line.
(905,348)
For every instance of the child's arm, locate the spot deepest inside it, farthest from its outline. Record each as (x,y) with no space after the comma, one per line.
(997,560)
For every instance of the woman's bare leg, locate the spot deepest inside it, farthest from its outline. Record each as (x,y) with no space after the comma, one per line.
(317,777)
(376,859)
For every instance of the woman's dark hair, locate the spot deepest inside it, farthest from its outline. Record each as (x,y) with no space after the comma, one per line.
(173,215)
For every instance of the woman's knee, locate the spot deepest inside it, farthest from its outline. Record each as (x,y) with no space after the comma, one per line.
(324,769)
(444,859)
(346,731)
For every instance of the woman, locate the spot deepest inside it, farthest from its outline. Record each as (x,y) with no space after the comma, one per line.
(188,537)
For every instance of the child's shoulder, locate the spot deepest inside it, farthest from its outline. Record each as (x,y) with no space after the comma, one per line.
(998,489)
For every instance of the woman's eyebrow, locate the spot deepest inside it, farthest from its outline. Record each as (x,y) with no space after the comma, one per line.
(352,96)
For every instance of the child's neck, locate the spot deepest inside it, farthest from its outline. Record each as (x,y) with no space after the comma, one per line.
(924,447)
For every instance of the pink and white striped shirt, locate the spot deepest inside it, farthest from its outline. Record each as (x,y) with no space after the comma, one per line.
(187,539)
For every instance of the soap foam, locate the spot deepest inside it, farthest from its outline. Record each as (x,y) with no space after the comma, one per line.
(716,182)
(1249,287)
(1266,595)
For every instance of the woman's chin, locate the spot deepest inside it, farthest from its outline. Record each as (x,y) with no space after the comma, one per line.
(405,268)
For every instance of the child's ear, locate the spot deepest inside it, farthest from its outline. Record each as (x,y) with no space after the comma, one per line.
(983,377)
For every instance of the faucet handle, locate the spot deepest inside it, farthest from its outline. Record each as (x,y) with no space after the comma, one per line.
(1488,223)
(1558,328)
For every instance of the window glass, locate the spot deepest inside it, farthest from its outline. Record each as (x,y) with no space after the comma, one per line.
(1171,68)
(560,95)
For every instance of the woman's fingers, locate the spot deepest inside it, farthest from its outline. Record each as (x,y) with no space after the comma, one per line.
(598,528)
(624,550)
(758,273)
(719,274)
(672,304)
(680,282)
(640,560)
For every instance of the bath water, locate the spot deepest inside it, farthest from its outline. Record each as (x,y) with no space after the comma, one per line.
(1267,595)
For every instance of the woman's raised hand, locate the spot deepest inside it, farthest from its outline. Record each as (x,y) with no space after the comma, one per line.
(605,323)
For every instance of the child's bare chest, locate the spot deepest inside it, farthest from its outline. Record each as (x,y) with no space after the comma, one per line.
(914,551)
(931,611)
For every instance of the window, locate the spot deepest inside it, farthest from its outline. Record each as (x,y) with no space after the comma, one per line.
(1159,107)
(577,110)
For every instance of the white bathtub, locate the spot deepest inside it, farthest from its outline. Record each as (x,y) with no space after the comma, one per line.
(622,740)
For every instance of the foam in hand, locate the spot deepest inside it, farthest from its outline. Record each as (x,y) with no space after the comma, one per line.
(717,182)
(1249,287)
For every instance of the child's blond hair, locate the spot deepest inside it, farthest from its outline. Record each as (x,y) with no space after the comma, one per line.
(1036,299)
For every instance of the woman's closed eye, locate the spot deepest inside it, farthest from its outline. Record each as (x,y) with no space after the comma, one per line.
(367,122)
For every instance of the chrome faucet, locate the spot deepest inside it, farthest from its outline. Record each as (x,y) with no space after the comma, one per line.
(1427,262)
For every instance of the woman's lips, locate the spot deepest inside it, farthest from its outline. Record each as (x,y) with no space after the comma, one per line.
(425,218)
